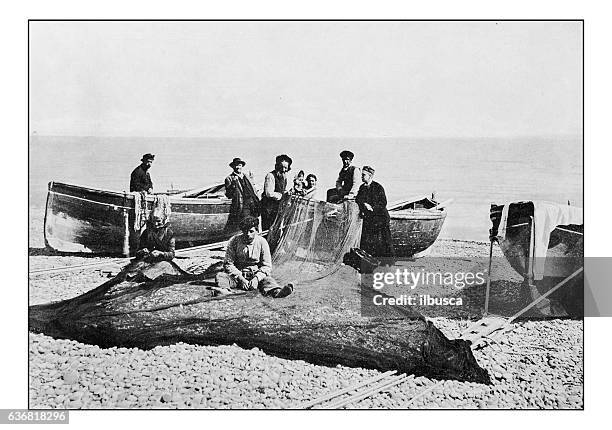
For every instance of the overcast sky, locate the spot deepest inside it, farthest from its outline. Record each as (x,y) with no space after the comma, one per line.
(366,79)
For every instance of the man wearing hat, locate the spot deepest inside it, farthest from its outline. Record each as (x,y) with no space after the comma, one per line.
(376,231)
(275,185)
(140,180)
(240,188)
(248,264)
(348,180)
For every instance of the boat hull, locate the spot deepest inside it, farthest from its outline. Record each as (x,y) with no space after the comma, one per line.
(565,252)
(564,257)
(84,220)
(414,231)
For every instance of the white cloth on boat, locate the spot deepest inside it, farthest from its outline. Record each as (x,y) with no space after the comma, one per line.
(547,216)
(161,207)
(503,222)
(140,210)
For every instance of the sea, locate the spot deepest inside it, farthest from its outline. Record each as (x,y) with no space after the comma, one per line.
(473,172)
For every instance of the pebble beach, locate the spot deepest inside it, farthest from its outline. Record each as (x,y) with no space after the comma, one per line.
(534,365)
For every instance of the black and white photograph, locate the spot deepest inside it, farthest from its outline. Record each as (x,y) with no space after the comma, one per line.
(305,214)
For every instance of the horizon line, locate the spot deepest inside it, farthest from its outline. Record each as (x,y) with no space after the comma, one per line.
(514,136)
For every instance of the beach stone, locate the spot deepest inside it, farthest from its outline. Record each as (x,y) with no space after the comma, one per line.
(70,377)
(75,404)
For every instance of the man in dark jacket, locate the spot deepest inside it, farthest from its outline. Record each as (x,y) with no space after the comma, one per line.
(376,231)
(157,241)
(348,180)
(240,188)
(275,185)
(140,180)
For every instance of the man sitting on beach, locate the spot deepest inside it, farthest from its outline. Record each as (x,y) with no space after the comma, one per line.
(157,241)
(140,179)
(248,264)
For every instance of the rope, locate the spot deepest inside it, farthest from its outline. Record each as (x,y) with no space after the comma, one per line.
(80,266)
(122,260)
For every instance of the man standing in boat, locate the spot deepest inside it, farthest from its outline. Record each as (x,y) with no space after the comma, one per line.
(241,189)
(376,231)
(140,180)
(248,264)
(348,180)
(275,185)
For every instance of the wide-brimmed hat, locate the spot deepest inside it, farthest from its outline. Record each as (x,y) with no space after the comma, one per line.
(347,154)
(284,157)
(237,161)
(147,157)
(368,169)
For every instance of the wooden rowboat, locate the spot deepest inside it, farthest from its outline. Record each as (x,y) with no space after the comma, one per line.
(87,220)
(565,245)
(415,224)
(561,254)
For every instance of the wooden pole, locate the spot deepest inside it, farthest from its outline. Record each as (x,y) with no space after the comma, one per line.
(530,275)
(126,233)
(486,309)
(337,393)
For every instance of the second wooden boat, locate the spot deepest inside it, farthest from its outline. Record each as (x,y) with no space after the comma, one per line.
(416,224)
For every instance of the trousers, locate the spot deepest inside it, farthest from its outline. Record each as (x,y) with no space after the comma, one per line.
(267,286)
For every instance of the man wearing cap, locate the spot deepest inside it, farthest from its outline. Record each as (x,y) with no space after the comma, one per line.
(376,231)
(239,187)
(348,180)
(140,180)
(248,264)
(275,185)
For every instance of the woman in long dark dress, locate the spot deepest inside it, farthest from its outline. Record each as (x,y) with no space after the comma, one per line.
(376,230)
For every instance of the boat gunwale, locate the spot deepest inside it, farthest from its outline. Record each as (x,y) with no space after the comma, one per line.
(417,215)
(125,195)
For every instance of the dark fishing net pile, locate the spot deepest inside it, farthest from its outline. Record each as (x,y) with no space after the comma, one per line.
(150,304)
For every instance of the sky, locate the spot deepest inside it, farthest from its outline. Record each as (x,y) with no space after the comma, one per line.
(306,79)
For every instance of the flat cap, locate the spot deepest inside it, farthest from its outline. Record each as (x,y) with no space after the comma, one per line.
(347,154)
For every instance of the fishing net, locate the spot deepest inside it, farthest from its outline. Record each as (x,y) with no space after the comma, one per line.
(321,321)
(310,238)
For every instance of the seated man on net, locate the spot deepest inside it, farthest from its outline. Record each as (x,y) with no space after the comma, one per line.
(157,241)
(248,264)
